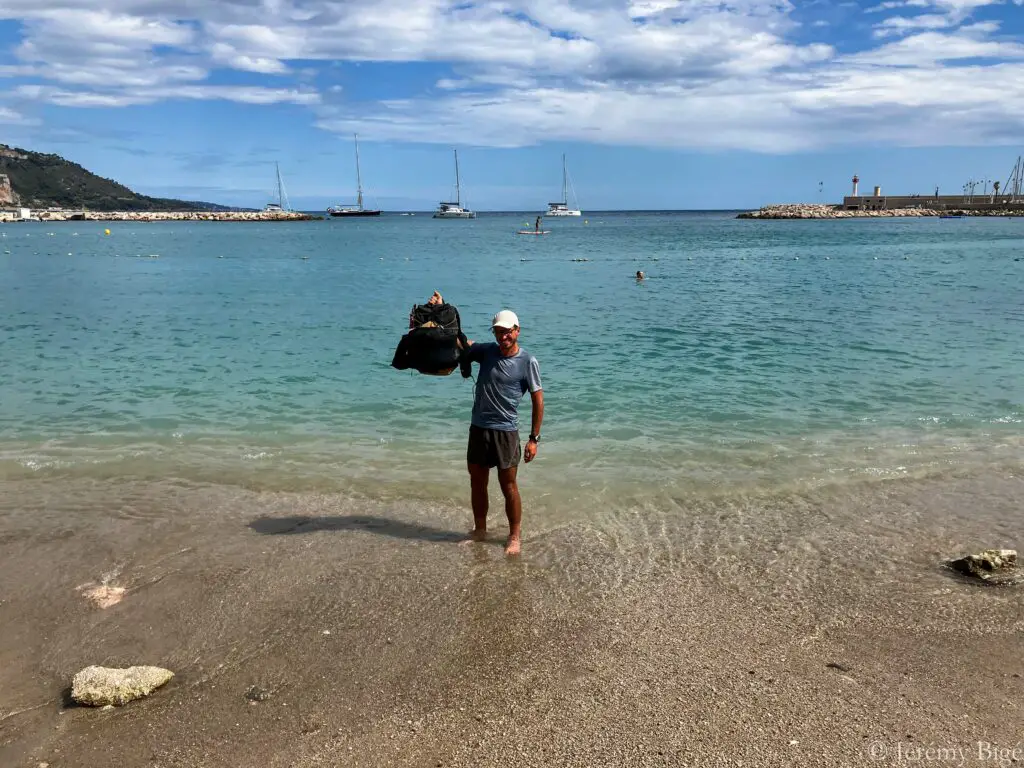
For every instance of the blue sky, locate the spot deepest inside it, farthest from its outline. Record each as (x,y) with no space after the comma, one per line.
(656,103)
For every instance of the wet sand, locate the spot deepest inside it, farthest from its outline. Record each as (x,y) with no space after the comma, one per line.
(813,628)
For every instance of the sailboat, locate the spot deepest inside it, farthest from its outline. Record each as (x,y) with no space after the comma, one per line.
(282,196)
(449,210)
(562,208)
(342,210)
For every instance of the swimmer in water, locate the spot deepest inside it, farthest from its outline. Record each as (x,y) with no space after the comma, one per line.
(640,275)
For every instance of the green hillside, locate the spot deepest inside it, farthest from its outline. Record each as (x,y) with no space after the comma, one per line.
(47,181)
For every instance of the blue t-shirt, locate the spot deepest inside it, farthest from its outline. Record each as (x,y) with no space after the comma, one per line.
(501,385)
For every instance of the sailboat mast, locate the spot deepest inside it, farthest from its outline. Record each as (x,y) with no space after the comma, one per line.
(565,197)
(282,195)
(359,178)
(458,198)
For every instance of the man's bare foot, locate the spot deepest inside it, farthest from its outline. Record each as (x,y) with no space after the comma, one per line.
(513,546)
(476,535)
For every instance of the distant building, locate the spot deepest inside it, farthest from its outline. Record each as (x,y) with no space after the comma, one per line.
(974,201)
(880,202)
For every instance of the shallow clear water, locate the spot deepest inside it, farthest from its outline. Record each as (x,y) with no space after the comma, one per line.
(757,354)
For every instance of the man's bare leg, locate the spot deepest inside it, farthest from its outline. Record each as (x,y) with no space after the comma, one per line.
(478,477)
(513,509)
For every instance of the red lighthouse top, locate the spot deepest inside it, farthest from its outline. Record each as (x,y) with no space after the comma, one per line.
(855,179)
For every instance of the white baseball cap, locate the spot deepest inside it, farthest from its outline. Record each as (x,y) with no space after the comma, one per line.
(505,319)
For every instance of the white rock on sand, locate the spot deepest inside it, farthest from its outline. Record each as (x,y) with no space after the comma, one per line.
(102,595)
(102,686)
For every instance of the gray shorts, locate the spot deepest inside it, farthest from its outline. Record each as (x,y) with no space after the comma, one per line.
(493,448)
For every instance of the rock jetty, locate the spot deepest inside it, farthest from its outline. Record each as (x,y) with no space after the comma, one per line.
(819,211)
(149,216)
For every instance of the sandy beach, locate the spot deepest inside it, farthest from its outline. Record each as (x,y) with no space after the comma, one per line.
(317,630)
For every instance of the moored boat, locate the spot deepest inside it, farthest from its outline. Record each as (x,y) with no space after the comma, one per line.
(454,210)
(343,211)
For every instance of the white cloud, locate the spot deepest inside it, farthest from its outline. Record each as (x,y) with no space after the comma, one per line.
(898,25)
(928,49)
(981,28)
(226,55)
(699,73)
(150,95)
(956,10)
(645,8)
(104,26)
(451,84)
(962,7)
(887,6)
(17,70)
(10,117)
(955,7)
(793,113)
(109,73)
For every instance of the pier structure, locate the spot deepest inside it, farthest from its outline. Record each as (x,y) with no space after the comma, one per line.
(989,198)
(880,202)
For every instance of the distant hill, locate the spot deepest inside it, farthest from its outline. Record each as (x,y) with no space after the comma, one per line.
(35,180)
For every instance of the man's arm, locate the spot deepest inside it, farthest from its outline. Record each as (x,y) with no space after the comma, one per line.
(466,356)
(537,416)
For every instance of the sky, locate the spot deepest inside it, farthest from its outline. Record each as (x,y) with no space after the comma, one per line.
(656,104)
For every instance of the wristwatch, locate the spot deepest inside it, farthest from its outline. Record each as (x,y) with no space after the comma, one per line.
(535,438)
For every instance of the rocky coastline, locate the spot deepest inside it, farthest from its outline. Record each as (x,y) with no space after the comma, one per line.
(152,216)
(819,211)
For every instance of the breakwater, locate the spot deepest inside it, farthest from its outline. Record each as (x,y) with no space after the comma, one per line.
(148,216)
(819,211)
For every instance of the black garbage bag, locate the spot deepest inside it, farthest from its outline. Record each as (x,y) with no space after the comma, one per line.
(431,345)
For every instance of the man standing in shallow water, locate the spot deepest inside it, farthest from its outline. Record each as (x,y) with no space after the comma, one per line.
(507,372)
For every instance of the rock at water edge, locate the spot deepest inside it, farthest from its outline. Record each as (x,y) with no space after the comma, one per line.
(100,686)
(990,565)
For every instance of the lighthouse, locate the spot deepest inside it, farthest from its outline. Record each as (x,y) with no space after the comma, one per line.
(856,181)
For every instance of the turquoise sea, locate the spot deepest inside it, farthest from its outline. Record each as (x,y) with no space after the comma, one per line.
(757,356)
(754,465)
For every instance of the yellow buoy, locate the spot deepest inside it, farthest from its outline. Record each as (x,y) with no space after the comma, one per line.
(106,231)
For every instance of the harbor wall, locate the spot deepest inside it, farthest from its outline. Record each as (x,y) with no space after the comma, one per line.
(940,203)
(818,211)
(50,214)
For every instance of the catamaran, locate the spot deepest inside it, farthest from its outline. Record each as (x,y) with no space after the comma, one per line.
(282,196)
(358,210)
(562,208)
(450,210)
